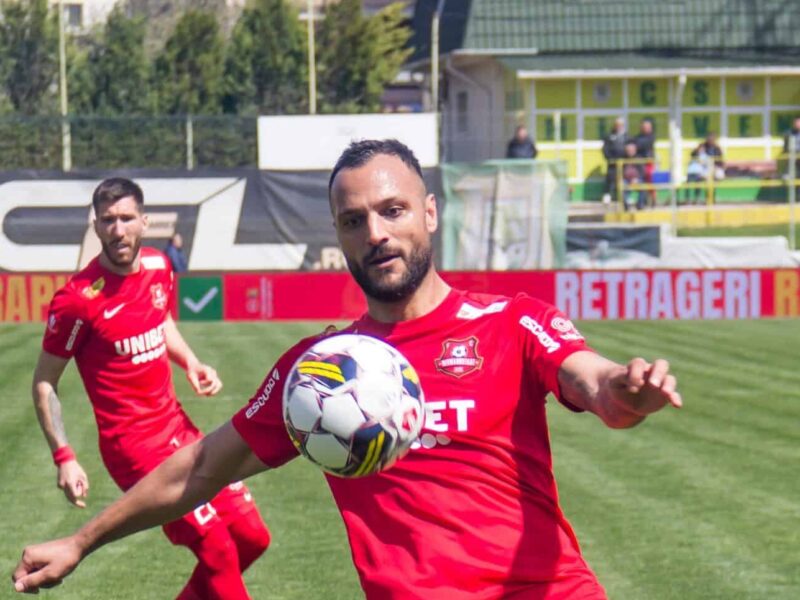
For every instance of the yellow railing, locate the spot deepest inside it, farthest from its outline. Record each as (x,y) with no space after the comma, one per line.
(709,185)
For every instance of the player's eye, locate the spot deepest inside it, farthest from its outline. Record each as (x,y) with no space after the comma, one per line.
(393,212)
(352,222)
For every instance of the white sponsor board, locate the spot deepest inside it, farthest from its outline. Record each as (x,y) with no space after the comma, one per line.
(219,201)
(314,142)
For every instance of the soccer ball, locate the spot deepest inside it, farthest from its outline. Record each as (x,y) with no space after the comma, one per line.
(353,405)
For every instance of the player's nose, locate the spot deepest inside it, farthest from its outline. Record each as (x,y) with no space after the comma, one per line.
(376,230)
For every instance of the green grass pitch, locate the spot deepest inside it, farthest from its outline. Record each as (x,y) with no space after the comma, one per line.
(702,503)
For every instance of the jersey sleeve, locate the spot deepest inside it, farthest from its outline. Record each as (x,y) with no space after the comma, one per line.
(67,325)
(546,337)
(260,421)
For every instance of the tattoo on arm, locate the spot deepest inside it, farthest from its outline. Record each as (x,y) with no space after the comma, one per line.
(55,417)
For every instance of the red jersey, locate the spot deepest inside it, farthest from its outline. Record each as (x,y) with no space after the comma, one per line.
(113,325)
(472,511)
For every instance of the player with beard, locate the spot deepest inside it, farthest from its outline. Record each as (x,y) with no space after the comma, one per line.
(113,318)
(472,511)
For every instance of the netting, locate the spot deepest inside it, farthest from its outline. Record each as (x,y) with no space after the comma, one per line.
(504,215)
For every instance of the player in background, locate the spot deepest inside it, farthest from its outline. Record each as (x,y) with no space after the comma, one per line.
(113,318)
(473,511)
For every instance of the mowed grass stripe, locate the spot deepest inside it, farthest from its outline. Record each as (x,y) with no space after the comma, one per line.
(696,504)
(702,461)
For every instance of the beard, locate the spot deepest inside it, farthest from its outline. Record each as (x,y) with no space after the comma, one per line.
(417,264)
(119,262)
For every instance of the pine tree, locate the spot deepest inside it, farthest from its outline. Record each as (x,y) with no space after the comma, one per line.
(266,61)
(28,54)
(358,56)
(112,77)
(189,71)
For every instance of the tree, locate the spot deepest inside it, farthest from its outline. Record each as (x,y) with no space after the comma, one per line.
(111,78)
(28,53)
(266,61)
(358,56)
(188,73)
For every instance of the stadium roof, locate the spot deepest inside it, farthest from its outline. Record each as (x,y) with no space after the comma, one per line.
(649,33)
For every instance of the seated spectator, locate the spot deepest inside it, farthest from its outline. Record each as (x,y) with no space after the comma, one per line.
(710,151)
(696,172)
(633,172)
(521,145)
(174,252)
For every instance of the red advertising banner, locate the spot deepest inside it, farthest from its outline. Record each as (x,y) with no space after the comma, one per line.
(583,295)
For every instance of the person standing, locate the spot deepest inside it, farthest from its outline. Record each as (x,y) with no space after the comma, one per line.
(472,512)
(521,145)
(613,150)
(645,142)
(175,254)
(113,318)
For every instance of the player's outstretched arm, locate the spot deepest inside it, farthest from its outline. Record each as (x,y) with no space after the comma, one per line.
(203,378)
(189,477)
(70,477)
(621,395)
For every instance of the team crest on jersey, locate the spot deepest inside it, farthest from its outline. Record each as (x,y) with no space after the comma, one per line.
(459,357)
(92,291)
(159,296)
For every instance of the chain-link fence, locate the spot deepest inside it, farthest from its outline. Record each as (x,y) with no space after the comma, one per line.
(129,142)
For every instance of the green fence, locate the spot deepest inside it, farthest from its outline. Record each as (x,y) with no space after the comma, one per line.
(129,142)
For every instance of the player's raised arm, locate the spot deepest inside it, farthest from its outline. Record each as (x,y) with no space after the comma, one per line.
(621,395)
(71,477)
(203,378)
(189,477)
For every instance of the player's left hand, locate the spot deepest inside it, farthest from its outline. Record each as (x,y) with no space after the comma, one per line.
(644,388)
(203,379)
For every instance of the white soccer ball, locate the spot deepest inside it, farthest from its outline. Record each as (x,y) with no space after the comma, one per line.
(353,405)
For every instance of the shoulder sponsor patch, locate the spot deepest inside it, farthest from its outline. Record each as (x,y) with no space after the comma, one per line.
(541,334)
(153,263)
(262,398)
(566,329)
(92,291)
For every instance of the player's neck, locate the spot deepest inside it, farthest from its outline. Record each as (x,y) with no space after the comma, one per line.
(430,294)
(123,270)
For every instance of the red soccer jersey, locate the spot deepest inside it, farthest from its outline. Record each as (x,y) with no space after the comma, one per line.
(113,326)
(472,511)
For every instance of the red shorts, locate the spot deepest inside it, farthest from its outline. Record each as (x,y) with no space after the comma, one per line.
(232,502)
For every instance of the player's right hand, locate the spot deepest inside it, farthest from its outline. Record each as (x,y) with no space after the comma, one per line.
(45,565)
(73,481)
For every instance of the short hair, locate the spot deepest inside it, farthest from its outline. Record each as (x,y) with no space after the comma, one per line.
(116,188)
(360,153)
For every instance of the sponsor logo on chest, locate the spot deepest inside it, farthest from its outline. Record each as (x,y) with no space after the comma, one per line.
(459,357)
(143,347)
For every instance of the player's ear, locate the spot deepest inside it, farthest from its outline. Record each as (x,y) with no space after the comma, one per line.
(431,213)
(145,222)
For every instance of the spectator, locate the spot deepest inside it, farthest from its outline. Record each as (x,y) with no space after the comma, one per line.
(710,151)
(613,149)
(793,134)
(174,252)
(521,145)
(696,172)
(645,143)
(633,172)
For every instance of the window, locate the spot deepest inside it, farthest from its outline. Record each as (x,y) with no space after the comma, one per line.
(73,15)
